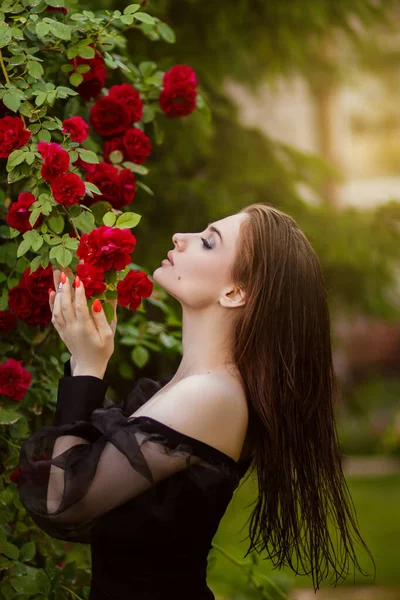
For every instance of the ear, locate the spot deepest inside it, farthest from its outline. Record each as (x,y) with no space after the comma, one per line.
(233,297)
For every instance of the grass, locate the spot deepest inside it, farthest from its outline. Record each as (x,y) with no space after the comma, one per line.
(377,506)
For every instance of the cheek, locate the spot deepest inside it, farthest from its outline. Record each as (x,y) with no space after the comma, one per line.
(198,285)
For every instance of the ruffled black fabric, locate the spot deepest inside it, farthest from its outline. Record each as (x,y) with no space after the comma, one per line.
(128,483)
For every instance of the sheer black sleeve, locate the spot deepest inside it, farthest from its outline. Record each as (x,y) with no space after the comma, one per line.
(116,457)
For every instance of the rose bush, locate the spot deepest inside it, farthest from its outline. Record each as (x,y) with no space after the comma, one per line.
(78,120)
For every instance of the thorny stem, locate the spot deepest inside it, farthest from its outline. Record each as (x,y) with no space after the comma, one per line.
(72,223)
(6,77)
(71,592)
(11,444)
(3,68)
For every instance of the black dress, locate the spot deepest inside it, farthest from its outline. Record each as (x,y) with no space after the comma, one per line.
(147,498)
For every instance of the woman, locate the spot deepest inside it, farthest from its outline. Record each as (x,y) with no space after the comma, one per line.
(147,482)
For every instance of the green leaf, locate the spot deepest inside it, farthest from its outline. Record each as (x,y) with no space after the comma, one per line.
(109,311)
(136,168)
(17,59)
(63,256)
(89,156)
(27,552)
(23,247)
(42,29)
(35,69)
(5,35)
(32,220)
(44,135)
(35,263)
(86,52)
(145,187)
(144,18)
(12,101)
(55,3)
(76,79)
(83,69)
(10,551)
(16,157)
(25,584)
(116,156)
(41,98)
(56,223)
(29,157)
(140,356)
(13,232)
(148,114)
(92,187)
(109,219)
(111,294)
(127,19)
(127,220)
(147,67)
(59,30)
(67,68)
(7,417)
(50,125)
(85,222)
(131,8)
(43,583)
(167,34)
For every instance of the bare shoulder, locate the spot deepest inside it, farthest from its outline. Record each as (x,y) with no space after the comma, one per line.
(210,407)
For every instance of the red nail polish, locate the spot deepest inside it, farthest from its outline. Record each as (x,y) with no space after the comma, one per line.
(50,290)
(63,277)
(97,305)
(77,281)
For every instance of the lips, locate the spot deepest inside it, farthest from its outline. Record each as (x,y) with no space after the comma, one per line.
(170,257)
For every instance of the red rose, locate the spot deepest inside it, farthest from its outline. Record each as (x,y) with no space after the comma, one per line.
(180,75)
(13,135)
(117,186)
(129,97)
(14,476)
(7,321)
(135,286)
(93,80)
(56,160)
(77,128)
(18,214)
(29,299)
(68,189)
(39,282)
(92,278)
(134,145)
(62,9)
(108,116)
(14,379)
(178,101)
(107,247)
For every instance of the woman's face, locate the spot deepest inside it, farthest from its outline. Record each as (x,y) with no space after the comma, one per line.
(199,276)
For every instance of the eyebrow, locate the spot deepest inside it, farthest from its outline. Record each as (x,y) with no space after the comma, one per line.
(212,228)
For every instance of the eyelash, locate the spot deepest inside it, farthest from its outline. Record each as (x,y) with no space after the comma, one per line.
(206,240)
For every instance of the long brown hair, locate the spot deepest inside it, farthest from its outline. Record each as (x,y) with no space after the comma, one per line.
(282,347)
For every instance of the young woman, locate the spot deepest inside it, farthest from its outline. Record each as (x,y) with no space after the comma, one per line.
(146,482)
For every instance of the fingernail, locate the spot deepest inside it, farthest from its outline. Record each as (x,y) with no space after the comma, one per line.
(77,281)
(63,277)
(97,305)
(50,290)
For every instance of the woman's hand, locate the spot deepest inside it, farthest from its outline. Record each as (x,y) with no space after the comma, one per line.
(87,334)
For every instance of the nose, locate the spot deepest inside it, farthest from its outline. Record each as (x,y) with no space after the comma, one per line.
(176,239)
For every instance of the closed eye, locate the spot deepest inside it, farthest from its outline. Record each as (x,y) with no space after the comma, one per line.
(206,243)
